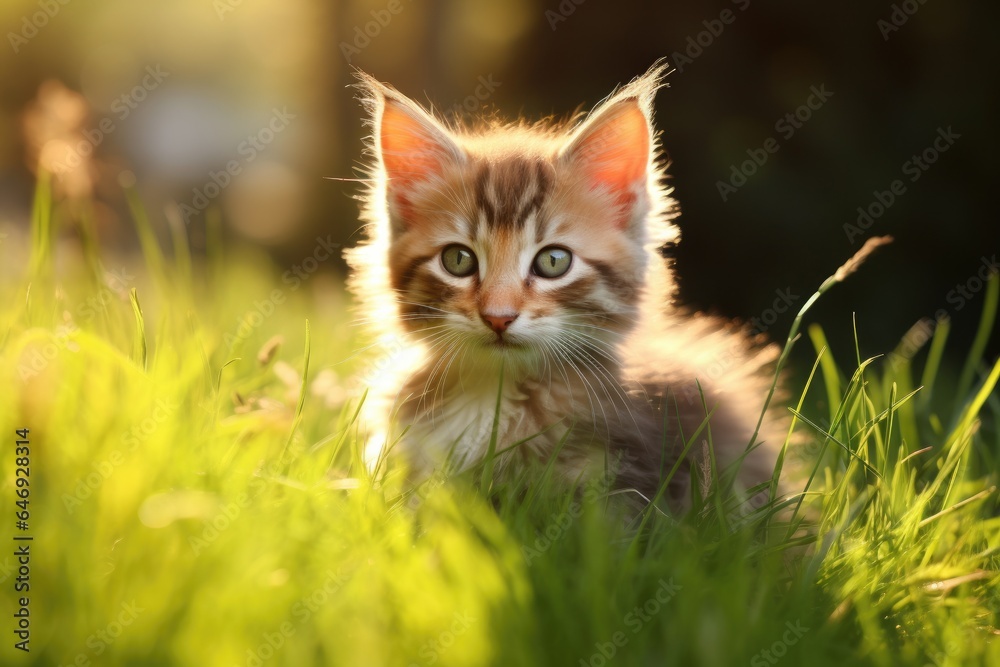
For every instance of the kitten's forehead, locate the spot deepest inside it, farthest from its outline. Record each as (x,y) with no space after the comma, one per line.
(508,193)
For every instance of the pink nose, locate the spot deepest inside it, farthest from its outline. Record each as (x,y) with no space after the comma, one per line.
(499,323)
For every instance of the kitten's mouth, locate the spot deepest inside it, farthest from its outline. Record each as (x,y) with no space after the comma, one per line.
(502,342)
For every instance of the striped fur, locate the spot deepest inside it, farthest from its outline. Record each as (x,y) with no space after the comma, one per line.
(600,357)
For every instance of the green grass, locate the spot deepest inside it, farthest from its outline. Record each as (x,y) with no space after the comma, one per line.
(190,504)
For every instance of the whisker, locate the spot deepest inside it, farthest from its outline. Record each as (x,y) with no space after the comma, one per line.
(558,347)
(453,339)
(604,374)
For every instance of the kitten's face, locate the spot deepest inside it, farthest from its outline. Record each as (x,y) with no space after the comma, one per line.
(515,243)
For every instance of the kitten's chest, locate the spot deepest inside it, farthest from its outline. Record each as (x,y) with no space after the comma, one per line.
(463,421)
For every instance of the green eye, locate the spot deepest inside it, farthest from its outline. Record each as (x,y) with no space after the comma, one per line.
(552,262)
(459,260)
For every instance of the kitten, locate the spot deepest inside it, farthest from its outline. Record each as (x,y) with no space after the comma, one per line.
(534,252)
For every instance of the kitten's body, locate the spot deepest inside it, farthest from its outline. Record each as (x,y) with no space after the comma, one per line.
(592,357)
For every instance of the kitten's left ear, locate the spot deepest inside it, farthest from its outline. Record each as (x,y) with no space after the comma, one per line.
(613,148)
(412,146)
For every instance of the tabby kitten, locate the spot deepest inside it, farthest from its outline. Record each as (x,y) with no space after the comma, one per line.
(533,251)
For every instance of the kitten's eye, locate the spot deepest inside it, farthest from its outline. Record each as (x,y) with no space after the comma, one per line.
(552,262)
(459,260)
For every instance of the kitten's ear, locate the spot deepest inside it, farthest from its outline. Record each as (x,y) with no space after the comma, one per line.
(412,146)
(613,148)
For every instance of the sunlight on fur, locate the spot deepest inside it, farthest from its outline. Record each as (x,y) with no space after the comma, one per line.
(534,251)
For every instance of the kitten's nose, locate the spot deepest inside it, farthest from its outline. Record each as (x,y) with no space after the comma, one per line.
(499,323)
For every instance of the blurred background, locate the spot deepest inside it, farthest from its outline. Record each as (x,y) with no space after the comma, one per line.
(782,119)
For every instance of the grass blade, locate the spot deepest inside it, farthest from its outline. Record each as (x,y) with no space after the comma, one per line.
(297,419)
(487,477)
(986,322)
(934,356)
(139,346)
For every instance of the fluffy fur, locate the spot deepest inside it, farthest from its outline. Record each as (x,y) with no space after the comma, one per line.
(599,364)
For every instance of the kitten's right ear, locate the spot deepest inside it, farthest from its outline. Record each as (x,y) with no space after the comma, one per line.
(412,146)
(614,147)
